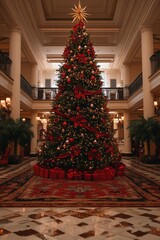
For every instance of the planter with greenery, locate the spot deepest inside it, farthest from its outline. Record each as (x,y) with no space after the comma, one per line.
(17,132)
(146,131)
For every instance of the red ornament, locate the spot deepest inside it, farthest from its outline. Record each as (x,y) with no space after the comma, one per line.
(63,74)
(68,80)
(71,139)
(64,124)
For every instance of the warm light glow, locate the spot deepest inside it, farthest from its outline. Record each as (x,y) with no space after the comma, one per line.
(79,13)
(8,101)
(122,118)
(3,103)
(155,103)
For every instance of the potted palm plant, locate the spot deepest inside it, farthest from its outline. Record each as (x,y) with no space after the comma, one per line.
(20,134)
(144,131)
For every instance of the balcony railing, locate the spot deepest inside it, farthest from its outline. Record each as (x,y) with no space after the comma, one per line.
(50,93)
(38,93)
(155,62)
(26,87)
(5,63)
(135,85)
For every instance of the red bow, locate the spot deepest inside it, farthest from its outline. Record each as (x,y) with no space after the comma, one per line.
(79,93)
(81,58)
(75,151)
(78,120)
(94,154)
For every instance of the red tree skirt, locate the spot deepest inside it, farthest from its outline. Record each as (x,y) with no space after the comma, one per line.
(107,173)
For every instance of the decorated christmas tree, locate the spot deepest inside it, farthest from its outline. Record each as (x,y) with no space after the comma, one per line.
(80,134)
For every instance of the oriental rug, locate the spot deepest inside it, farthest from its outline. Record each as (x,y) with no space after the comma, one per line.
(28,190)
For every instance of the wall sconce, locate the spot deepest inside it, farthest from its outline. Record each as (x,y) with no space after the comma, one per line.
(118,119)
(6,103)
(157,109)
(5,106)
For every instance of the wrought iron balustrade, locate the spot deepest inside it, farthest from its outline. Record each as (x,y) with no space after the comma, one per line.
(5,63)
(155,62)
(135,85)
(26,87)
(40,93)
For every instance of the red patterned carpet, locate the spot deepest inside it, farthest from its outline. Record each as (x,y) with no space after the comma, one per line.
(132,189)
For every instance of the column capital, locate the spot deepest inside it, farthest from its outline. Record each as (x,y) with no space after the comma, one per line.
(146,29)
(16,29)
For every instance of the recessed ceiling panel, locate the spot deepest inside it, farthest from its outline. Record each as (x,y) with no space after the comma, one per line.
(97,10)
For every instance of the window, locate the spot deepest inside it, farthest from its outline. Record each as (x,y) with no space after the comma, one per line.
(48,83)
(113,83)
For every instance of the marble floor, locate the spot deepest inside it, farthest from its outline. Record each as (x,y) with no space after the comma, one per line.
(81,223)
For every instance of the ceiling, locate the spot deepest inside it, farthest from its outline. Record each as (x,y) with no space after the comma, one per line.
(114,28)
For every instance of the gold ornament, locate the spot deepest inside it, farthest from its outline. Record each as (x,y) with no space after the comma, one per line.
(91,105)
(79,13)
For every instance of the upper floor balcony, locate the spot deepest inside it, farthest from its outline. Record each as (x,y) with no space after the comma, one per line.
(114,95)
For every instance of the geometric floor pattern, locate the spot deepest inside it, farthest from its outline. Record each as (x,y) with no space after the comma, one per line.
(98,223)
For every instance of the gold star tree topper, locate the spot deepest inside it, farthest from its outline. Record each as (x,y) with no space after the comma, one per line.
(79,13)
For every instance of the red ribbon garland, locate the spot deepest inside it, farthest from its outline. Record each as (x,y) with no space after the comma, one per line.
(80,92)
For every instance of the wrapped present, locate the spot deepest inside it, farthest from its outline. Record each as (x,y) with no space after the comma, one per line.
(61,174)
(36,169)
(87,176)
(70,174)
(102,174)
(41,172)
(46,173)
(96,176)
(77,175)
(120,171)
(110,173)
(53,174)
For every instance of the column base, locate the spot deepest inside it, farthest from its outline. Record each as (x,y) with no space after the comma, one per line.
(33,154)
(127,154)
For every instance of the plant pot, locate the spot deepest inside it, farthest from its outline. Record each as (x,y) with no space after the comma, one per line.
(14,159)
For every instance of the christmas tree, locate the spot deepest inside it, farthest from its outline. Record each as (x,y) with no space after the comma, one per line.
(80,134)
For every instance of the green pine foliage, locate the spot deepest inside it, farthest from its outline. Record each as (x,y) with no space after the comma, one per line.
(80,134)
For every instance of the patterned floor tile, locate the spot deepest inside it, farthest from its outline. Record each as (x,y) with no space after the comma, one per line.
(116,223)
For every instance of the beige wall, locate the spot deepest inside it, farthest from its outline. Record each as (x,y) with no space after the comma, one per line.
(135,70)
(26,71)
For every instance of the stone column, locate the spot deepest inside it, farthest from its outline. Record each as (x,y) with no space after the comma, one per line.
(127,141)
(15,56)
(125,77)
(34,80)
(147,52)
(34,129)
(115,127)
